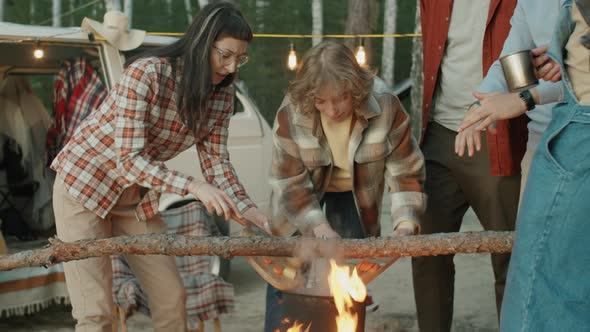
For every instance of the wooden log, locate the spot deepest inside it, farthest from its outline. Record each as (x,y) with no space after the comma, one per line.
(227,247)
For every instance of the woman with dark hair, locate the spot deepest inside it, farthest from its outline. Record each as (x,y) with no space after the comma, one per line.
(111,173)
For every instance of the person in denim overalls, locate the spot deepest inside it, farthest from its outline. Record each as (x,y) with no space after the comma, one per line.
(548,285)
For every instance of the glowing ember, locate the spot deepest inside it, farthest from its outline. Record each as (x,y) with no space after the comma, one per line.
(298,327)
(345,288)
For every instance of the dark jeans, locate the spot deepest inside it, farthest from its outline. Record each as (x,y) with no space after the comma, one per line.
(343,217)
(453,184)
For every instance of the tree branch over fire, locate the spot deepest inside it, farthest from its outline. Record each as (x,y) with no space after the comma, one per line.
(227,247)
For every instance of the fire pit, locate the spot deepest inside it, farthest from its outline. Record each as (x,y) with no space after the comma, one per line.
(334,302)
(318,313)
(323,295)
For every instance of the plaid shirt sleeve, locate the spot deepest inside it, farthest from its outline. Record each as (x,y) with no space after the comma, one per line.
(292,187)
(136,95)
(405,172)
(214,155)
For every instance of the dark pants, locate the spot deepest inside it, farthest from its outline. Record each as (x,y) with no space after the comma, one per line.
(453,184)
(343,218)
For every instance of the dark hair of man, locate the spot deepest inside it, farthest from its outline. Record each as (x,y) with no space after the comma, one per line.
(194,50)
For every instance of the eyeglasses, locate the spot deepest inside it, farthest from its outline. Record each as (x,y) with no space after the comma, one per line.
(227,57)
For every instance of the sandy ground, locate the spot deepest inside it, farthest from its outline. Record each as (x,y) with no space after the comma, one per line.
(474,299)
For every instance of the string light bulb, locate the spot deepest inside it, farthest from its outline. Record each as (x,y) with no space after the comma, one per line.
(292,58)
(38,53)
(361,54)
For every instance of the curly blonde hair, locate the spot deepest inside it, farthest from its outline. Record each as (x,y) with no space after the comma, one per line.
(329,63)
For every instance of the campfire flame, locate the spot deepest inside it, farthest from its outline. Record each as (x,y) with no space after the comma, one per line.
(345,287)
(298,327)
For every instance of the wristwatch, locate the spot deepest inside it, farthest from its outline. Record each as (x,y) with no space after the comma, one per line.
(527,98)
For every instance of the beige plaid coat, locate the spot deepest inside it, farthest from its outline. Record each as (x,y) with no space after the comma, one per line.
(381,151)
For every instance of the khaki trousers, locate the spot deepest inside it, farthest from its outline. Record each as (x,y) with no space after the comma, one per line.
(453,184)
(89,281)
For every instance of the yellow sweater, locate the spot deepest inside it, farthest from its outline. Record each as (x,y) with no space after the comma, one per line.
(338,136)
(578,59)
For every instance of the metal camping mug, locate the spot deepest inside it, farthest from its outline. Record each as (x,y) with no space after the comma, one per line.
(519,71)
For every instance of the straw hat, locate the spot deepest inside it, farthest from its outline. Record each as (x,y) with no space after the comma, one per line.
(115,30)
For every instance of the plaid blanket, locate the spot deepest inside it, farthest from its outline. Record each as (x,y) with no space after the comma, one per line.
(207,295)
(29,290)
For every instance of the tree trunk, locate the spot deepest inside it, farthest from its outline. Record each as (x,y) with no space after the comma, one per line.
(260,9)
(112,5)
(317,20)
(31,12)
(388,57)
(72,17)
(189,11)
(128,10)
(227,247)
(56,12)
(360,20)
(417,76)
(169,7)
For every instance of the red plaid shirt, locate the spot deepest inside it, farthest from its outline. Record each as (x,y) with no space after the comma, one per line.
(138,127)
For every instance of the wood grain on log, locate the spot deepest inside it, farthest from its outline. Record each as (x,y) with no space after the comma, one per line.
(227,247)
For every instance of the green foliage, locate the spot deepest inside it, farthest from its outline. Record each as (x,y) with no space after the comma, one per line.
(154,15)
(406,14)
(406,10)
(335,12)
(266,74)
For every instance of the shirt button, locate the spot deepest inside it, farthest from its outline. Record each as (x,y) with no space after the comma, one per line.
(432,78)
(447,18)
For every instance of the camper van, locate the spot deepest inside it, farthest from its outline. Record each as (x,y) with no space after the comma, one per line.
(39,52)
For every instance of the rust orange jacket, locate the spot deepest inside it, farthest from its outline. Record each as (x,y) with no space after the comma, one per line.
(506,148)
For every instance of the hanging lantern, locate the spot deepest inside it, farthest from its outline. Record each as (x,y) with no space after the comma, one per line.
(292,58)
(38,53)
(361,54)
